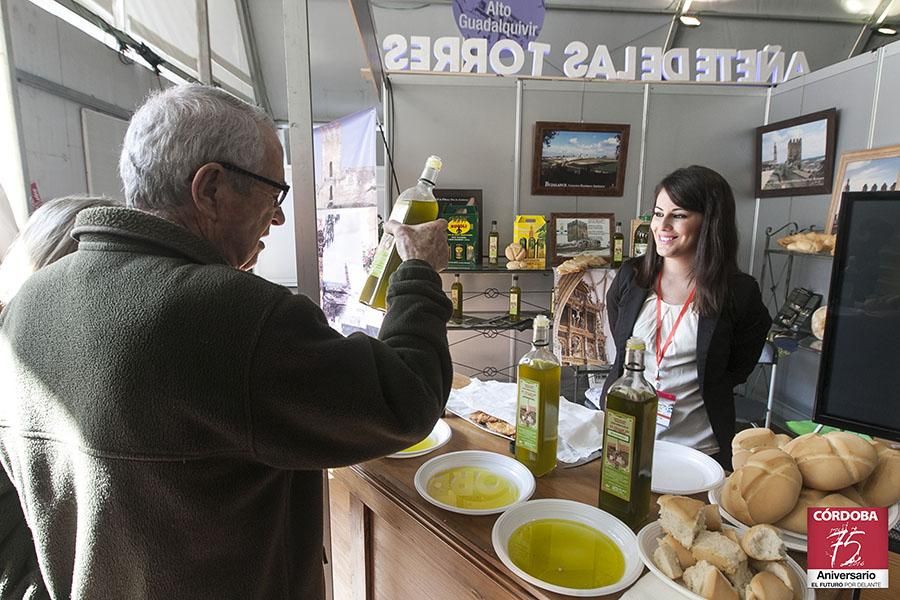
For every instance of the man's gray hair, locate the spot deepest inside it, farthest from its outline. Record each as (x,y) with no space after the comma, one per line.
(178,130)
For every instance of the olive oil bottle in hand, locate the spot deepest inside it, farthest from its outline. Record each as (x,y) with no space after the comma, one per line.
(414,206)
(629,433)
(537,408)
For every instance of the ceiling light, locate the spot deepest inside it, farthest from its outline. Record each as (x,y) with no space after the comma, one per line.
(887,31)
(688,21)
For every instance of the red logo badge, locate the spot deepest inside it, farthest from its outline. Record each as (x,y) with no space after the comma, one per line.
(847,547)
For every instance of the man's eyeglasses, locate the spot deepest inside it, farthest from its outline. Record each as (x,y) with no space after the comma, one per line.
(285,188)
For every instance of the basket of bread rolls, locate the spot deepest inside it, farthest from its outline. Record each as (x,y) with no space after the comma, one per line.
(809,242)
(776,479)
(692,551)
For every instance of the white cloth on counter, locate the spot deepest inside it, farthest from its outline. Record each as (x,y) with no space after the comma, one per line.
(649,587)
(580,428)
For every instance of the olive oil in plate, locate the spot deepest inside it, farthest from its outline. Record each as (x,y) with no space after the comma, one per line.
(473,488)
(566,553)
(425,444)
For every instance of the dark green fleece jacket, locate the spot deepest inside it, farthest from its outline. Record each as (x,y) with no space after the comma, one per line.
(166,418)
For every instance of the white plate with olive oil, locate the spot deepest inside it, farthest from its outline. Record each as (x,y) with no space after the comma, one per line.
(439,436)
(567,547)
(474,482)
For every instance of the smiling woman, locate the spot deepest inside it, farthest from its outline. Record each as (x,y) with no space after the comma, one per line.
(685,289)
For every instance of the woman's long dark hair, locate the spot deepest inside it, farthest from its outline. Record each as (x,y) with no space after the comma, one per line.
(700,189)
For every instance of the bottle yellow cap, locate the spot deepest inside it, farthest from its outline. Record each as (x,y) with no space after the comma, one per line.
(434,162)
(635,343)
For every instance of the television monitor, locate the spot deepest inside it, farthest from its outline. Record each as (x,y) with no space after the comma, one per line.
(859,377)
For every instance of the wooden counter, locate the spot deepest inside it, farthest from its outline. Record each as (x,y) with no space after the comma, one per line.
(395,545)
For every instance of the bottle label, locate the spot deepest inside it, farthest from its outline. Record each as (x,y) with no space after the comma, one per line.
(456,298)
(640,249)
(527,415)
(618,454)
(492,250)
(514,304)
(618,252)
(382,253)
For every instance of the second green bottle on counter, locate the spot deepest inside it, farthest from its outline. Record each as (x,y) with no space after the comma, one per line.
(629,433)
(537,408)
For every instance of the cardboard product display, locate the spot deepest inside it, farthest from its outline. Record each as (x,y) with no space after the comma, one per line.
(530,231)
(462,235)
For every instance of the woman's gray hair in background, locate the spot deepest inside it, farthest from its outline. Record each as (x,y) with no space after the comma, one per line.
(178,130)
(45,239)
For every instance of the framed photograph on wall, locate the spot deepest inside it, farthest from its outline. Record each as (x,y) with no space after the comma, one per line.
(579,159)
(876,170)
(572,234)
(462,197)
(796,157)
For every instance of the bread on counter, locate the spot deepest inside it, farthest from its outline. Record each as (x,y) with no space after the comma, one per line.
(832,461)
(762,542)
(705,580)
(682,517)
(718,550)
(765,489)
(766,586)
(665,558)
(781,570)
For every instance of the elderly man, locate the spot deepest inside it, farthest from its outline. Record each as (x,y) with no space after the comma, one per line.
(166,416)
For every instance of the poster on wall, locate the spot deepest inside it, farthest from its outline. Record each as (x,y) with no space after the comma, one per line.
(346,216)
(796,157)
(582,335)
(579,159)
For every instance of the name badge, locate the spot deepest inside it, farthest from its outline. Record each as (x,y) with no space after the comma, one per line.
(665,409)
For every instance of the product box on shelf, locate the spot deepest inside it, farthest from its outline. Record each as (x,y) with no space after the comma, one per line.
(530,231)
(462,235)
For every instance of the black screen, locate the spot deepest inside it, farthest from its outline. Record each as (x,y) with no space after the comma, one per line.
(859,377)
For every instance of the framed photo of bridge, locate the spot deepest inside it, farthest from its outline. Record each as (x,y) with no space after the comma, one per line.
(579,159)
(796,157)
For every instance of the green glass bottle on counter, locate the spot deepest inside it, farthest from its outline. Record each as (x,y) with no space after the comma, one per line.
(629,433)
(537,408)
(641,237)
(493,244)
(456,296)
(515,300)
(618,246)
(415,205)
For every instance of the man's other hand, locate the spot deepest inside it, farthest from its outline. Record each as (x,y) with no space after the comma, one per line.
(427,242)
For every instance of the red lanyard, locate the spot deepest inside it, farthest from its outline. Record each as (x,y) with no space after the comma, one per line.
(661,349)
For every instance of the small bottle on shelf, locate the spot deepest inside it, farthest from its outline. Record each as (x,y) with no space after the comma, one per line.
(456,296)
(641,236)
(537,408)
(618,246)
(629,433)
(515,299)
(493,244)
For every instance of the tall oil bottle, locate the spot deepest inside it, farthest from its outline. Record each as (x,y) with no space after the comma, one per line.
(415,205)
(537,409)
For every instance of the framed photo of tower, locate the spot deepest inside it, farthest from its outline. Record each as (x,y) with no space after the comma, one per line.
(571,234)
(796,157)
(875,170)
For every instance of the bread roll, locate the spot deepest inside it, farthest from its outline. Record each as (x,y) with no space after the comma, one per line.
(705,580)
(719,551)
(882,487)
(782,439)
(783,571)
(667,561)
(832,461)
(740,579)
(853,494)
(762,542)
(682,517)
(685,558)
(765,489)
(766,586)
(732,535)
(747,440)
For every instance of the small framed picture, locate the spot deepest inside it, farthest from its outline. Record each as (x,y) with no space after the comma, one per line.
(796,157)
(579,159)
(875,170)
(572,234)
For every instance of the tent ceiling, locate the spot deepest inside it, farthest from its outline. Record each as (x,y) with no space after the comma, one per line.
(827,30)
